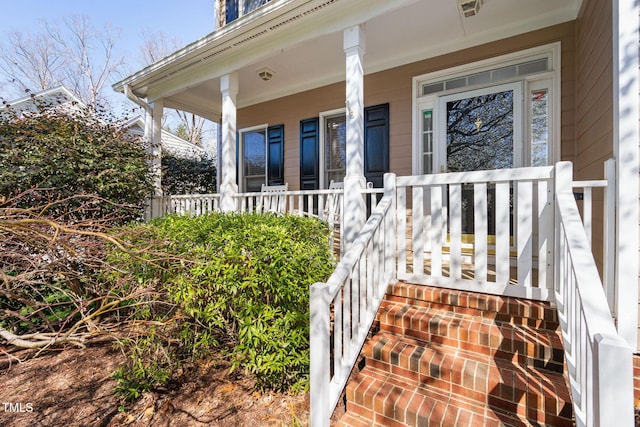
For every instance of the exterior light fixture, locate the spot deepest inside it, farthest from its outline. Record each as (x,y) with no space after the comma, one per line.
(469,8)
(265,73)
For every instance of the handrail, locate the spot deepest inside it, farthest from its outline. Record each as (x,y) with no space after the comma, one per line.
(599,363)
(355,291)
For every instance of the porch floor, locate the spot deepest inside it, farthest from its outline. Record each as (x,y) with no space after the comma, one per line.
(468,271)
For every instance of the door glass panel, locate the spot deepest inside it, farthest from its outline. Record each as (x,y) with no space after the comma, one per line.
(539,127)
(254,160)
(335,140)
(479,133)
(427,141)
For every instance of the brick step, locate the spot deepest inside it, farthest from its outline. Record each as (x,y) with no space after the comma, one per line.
(480,378)
(387,400)
(493,307)
(350,419)
(530,346)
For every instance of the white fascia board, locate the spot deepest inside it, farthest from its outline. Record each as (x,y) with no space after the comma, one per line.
(274,29)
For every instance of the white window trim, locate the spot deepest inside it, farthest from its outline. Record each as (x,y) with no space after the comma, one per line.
(321,141)
(241,132)
(551,51)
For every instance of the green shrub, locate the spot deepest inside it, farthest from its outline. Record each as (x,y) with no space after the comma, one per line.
(188,175)
(73,152)
(242,284)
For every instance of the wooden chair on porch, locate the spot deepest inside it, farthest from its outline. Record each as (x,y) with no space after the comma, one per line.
(273,198)
(333,214)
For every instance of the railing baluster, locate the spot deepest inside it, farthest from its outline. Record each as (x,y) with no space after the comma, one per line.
(545,234)
(436,230)
(455,231)
(480,237)
(401,223)
(502,221)
(524,234)
(418,230)
(609,230)
(587,212)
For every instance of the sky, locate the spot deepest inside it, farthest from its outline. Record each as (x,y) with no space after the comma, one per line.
(187,20)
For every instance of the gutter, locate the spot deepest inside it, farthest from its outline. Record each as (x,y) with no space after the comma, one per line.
(132,97)
(148,117)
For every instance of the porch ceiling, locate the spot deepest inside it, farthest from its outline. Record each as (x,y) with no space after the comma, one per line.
(301,41)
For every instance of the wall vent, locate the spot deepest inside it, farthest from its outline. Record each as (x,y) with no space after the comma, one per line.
(469,8)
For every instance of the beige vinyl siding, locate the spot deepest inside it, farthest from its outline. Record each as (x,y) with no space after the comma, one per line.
(594,80)
(594,95)
(394,86)
(594,103)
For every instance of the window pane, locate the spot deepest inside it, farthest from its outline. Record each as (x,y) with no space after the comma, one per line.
(432,88)
(254,159)
(480,132)
(231,11)
(427,141)
(532,67)
(539,127)
(250,5)
(335,140)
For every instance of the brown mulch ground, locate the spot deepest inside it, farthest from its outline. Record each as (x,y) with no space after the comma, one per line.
(74,387)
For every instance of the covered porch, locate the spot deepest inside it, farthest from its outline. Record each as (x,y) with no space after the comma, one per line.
(463,125)
(532,237)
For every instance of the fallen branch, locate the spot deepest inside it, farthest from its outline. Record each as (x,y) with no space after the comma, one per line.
(40,340)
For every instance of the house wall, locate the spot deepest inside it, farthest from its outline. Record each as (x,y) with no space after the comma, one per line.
(594,102)
(394,86)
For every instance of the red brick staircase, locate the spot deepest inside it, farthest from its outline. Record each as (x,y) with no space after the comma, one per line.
(450,358)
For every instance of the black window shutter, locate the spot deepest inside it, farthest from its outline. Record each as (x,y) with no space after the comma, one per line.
(309,154)
(376,143)
(275,155)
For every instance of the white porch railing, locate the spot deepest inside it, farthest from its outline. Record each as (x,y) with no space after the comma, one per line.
(606,236)
(190,204)
(482,231)
(351,298)
(599,362)
(419,224)
(323,204)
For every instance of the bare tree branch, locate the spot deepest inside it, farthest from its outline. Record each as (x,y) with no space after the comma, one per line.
(75,54)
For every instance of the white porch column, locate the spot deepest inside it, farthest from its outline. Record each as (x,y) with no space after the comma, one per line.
(156,154)
(228,186)
(354,181)
(625,150)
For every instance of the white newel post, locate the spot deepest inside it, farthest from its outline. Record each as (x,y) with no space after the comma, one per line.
(625,151)
(156,156)
(354,181)
(319,363)
(228,185)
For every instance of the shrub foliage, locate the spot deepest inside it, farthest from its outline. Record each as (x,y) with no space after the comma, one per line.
(73,151)
(188,175)
(245,288)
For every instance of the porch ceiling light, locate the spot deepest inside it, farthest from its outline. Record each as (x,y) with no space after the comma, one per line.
(469,8)
(265,73)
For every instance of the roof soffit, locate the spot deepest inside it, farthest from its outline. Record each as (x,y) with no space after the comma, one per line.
(276,26)
(305,50)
